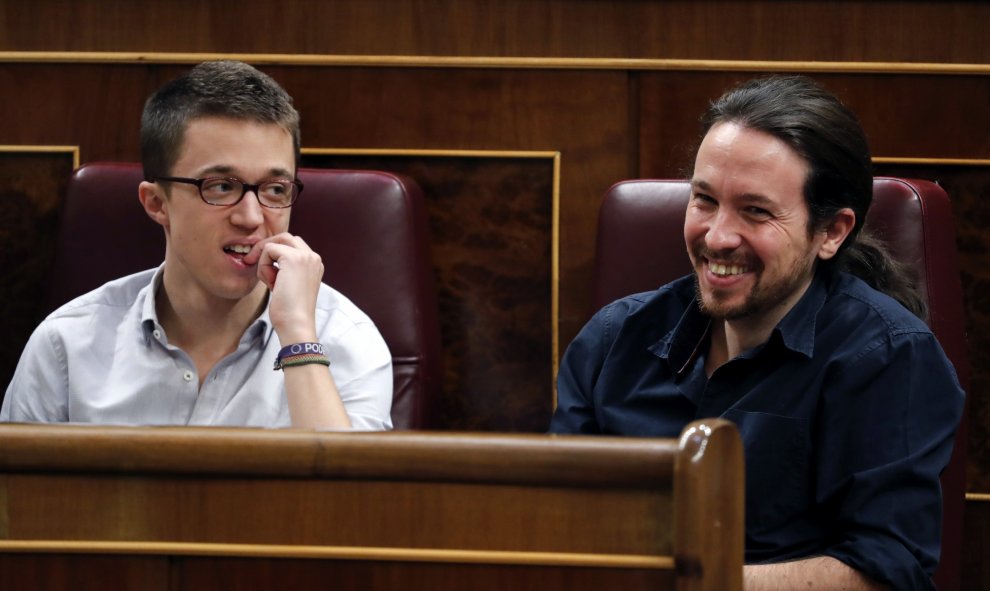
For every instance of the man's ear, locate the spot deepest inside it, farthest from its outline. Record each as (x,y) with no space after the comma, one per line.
(836,232)
(155,203)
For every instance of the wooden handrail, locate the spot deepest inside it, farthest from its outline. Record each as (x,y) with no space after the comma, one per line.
(406,455)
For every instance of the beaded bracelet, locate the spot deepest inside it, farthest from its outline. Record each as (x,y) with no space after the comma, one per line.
(301,354)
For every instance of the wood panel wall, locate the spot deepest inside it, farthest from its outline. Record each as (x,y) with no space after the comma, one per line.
(804,30)
(614,86)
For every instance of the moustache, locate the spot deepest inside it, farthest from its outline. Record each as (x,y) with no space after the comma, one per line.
(724,258)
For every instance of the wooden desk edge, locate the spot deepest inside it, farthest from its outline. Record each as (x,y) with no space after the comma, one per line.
(397,455)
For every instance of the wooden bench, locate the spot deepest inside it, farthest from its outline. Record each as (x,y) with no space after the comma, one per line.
(191,508)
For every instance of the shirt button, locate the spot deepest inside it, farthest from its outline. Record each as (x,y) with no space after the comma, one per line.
(157,333)
(188,376)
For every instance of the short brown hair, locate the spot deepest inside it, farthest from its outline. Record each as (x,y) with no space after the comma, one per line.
(212,89)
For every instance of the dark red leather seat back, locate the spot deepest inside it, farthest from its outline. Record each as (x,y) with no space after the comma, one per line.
(641,247)
(369,227)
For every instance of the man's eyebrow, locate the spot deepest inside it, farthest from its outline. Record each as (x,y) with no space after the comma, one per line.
(217,169)
(751,198)
(756,198)
(700,184)
(228,170)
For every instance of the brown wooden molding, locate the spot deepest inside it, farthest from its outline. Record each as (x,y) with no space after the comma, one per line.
(33,149)
(553,155)
(931,161)
(557,63)
(342,553)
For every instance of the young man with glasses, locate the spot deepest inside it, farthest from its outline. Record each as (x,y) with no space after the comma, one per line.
(193,342)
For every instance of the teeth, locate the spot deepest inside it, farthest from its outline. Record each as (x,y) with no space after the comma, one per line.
(724,270)
(238,248)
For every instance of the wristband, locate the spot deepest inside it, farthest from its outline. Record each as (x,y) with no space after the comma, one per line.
(301,354)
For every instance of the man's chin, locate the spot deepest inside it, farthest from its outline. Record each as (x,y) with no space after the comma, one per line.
(720,304)
(238,290)
(723,308)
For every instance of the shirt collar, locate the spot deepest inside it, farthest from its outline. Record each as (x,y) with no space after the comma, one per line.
(149,315)
(796,330)
(261,328)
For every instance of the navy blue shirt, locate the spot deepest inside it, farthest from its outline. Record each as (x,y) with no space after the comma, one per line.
(846,413)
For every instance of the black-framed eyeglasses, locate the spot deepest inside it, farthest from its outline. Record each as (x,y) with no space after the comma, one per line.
(228,190)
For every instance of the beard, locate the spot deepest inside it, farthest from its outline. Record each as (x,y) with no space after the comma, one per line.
(765,295)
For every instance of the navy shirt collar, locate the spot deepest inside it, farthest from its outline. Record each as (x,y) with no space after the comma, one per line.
(796,331)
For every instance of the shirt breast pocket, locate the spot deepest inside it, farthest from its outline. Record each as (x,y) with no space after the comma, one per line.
(777,453)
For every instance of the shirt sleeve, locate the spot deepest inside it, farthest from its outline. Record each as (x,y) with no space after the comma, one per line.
(886,433)
(361,366)
(576,378)
(38,391)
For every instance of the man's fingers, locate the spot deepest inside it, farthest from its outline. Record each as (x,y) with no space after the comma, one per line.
(257,251)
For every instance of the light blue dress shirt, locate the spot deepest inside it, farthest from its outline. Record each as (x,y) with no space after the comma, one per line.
(104,358)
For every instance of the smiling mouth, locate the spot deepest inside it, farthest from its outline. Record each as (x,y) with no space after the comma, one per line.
(721,270)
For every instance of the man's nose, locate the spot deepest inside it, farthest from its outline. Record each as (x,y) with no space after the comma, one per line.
(248,211)
(723,232)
